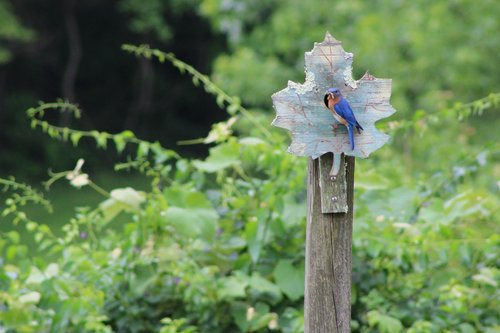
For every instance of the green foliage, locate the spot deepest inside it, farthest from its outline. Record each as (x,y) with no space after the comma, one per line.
(22,194)
(150,157)
(11,30)
(232,104)
(436,52)
(217,245)
(148,18)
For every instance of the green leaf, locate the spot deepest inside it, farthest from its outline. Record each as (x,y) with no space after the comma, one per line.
(14,317)
(35,276)
(239,313)
(44,125)
(261,318)
(233,108)
(384,323)
(121,199)
(52,270)
(13,236)
(127,134)
(101,139)
(120,143)
(290,279)
(487,276)
(65,133)
(75,137)
(128,196)
(232,287)
(252,141)
(293,211)
(264,286)
(251,318)
(220,100)
(221,157)
(254,239)
(32,297)
(190,212)
(141,279)
(466,328)
(142,149)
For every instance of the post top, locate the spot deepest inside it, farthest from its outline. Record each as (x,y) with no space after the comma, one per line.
(315,129)
(329,39)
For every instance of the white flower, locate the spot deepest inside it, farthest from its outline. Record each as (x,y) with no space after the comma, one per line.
(79,165)
(76,177)
(116,253)
(273,324)
(250,313)
(80,180)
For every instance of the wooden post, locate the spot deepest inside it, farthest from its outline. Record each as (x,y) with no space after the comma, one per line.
(316,133)
(327,303)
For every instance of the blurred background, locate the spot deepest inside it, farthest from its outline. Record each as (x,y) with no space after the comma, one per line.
(72,50)
(426,244)
(438,54)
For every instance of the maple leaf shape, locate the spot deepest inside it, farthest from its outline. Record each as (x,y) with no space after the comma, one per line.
(300,107)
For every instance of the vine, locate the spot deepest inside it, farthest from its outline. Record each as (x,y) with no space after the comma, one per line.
(144,150)
(22,194)
(230,103)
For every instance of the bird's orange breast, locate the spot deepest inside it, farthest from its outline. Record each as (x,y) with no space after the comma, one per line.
(332,101)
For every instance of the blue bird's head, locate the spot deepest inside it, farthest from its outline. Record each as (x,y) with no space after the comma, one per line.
(332,92)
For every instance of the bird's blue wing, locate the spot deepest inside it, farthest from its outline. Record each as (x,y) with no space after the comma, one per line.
(344,110)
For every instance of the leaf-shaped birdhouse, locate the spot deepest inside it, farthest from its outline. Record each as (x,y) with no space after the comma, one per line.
(301,109)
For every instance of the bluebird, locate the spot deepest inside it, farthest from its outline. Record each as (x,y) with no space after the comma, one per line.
(342,112)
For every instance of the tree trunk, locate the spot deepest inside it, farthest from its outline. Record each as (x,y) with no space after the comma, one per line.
(74,56)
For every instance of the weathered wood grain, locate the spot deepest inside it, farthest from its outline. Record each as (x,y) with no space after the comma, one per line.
(333,185)
(300,107)
(327,302)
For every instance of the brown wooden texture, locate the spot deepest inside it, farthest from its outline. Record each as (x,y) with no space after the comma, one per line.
(327,303)
(333,185)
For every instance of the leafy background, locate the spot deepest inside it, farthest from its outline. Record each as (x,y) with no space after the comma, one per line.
(210,238)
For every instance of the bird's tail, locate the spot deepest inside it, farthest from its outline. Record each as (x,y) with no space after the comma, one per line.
(359,128)
(350,129)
